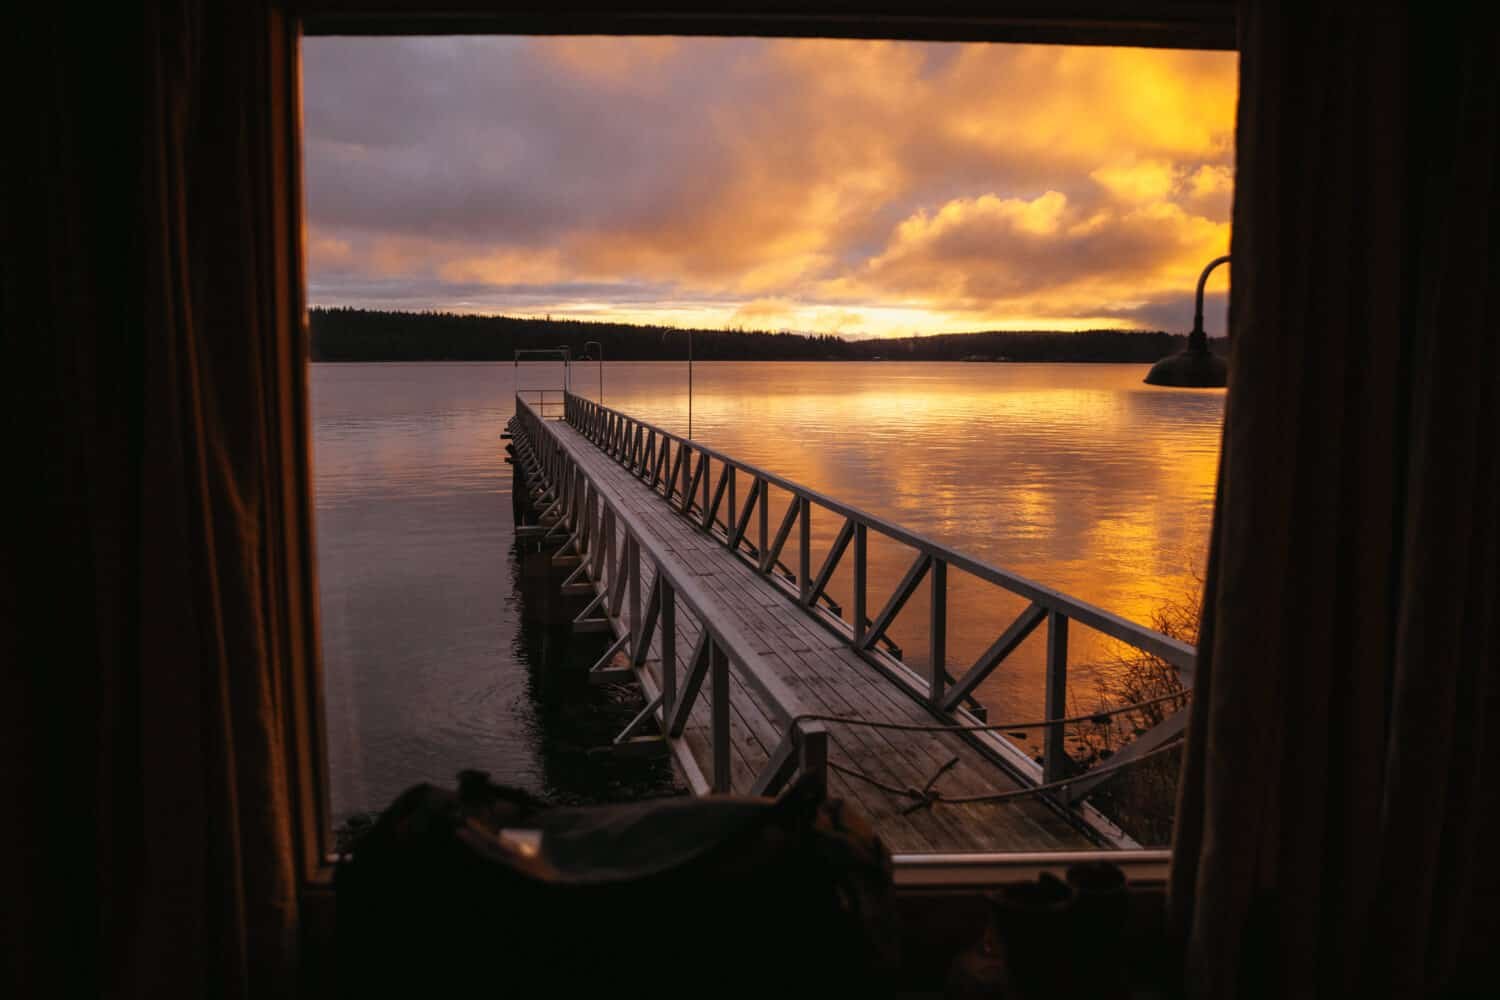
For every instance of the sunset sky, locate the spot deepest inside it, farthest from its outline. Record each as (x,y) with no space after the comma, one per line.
(860,188)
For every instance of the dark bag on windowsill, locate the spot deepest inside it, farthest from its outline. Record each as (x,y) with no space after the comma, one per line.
(489,889)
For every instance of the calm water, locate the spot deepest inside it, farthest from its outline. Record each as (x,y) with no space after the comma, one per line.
(1077,476)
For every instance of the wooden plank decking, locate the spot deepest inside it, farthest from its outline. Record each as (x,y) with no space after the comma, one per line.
(827,678)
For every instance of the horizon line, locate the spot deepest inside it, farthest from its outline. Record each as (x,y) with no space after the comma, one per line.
(741,329)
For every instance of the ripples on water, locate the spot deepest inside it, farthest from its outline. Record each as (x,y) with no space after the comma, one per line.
(1077,476)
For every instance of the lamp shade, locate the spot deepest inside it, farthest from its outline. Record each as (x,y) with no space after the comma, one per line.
(1195,367)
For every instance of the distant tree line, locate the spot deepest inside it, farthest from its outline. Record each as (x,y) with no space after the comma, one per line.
(343,334)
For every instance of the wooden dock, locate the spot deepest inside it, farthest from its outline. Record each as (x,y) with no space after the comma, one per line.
(750,678)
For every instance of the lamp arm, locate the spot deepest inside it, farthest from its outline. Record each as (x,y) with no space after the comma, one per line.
(1199,338)
(600,352)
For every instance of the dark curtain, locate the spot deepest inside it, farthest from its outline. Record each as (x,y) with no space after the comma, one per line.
(1344,751)
(158,591)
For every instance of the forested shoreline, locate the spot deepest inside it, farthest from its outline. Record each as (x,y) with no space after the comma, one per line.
(344,334)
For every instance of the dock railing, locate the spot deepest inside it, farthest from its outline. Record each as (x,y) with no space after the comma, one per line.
(615,548)
(701,482)
(549,399)
(550,403)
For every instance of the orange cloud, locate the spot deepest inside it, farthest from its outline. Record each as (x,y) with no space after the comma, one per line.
(505,267)
(326,252)
(614,61)
(1148,181)
(992,256)
(1083,106)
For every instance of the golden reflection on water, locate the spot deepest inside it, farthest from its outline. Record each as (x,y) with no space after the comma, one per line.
(1078,477)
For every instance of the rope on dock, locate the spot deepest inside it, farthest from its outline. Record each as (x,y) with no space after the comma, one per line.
(928,796)
(1098,718)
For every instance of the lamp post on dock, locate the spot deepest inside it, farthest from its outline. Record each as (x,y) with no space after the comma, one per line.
(689,333)
(600,348)
(1195,366)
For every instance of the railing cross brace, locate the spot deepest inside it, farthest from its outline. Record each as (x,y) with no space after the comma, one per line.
(899,597)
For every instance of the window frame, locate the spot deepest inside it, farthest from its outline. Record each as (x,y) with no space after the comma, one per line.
(1205,25)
